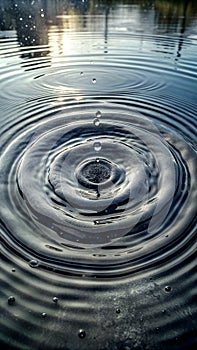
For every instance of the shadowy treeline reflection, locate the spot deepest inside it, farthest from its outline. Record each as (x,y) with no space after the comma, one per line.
(32,19)
(167,11)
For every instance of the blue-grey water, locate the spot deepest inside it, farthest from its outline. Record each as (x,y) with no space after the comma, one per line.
(98,104)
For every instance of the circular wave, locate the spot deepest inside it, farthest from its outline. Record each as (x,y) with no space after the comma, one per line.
(98,197)
(77,189)
(79,78)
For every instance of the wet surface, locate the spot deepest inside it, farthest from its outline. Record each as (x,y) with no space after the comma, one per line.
(98,175)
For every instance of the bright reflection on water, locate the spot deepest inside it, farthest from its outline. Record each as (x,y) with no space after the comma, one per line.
(98,174)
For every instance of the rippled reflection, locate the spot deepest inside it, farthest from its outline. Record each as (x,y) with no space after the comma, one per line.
(98,174)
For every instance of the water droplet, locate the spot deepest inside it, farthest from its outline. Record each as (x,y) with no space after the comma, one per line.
(34,263)
(168,289)
(11,300)
(98,114)
(96,222)
(94,80)
(42,15)
(13,270)
(97,160)
(118,311)
(81,334)
(29,16)
(97,146)
(44,315)
(82,73)
(55,299)
(96,122)
(20,19)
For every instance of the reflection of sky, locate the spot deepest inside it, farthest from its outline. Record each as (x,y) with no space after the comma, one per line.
(130,28)
(126,26)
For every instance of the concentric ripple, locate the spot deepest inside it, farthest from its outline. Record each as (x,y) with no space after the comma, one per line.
(98,186)
(74,187)
(73,77)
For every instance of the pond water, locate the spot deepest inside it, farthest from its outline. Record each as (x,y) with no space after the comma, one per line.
(98,174)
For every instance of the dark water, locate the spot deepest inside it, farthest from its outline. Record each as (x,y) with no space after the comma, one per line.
(98,175)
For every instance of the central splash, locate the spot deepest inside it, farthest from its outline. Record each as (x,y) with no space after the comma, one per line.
(94,172)
(81,187)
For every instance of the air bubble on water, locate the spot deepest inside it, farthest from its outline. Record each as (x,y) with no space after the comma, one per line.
(97,146)
(20,19)
(11,300)
(81,334)
(33,263)
(98,114)
(82,73)
(42,15)
(29,16)
(96,122)
(97,160)
(13,270)
(44,315)
(55,299)
(168,289)
(94,80)
(118,311)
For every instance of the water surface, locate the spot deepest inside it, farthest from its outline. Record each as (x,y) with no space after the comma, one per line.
(98,174)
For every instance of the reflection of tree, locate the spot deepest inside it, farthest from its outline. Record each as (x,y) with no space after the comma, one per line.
(175,17)
(6,20)
(183,27)
(169,14)
(30,24)
(34,19)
